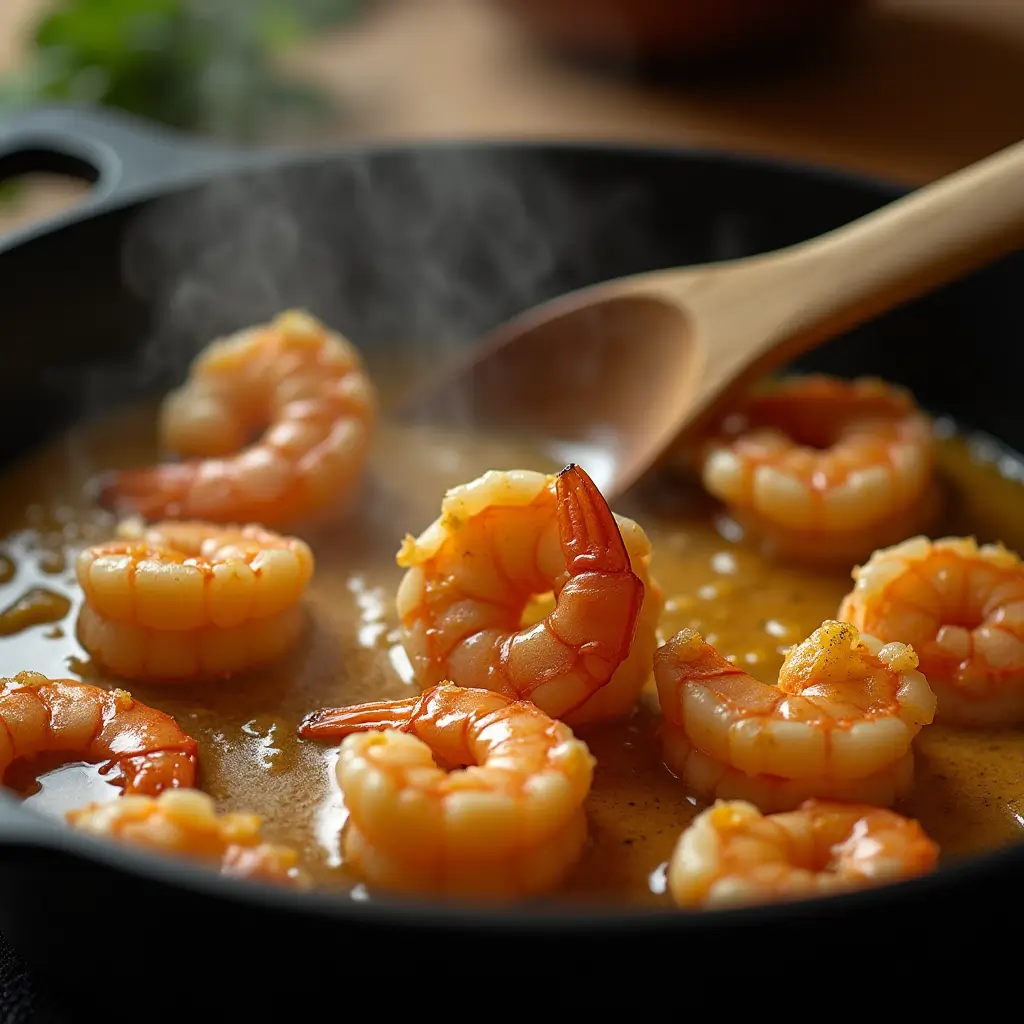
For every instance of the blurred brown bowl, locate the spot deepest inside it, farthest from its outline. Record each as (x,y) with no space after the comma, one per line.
(688,30)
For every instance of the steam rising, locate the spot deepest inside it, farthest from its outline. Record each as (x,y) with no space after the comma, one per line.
(409,255)
(412,252)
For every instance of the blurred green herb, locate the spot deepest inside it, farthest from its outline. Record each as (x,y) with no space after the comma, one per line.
(208,66)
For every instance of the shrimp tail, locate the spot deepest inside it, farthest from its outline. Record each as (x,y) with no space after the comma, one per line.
(337,723)
(688,656)
(602,588)
(587,530)
(154,492)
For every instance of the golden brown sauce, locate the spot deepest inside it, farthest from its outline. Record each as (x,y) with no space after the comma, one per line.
(970,784)
(34,607)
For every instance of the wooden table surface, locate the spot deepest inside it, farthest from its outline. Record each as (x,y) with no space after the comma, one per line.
(916,89)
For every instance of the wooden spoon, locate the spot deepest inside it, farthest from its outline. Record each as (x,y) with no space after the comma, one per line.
(612,375)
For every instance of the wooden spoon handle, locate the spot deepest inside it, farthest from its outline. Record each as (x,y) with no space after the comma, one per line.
(817,289)
(927,238)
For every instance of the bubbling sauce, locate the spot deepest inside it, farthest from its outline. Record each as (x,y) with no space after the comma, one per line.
(970,784)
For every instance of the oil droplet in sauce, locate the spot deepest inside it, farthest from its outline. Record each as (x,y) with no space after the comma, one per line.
(7,569)
(35,607)
(724,562)
(52,562)
(33,602)
(728,528)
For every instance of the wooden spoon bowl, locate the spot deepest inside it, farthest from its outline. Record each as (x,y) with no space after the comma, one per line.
(625,368)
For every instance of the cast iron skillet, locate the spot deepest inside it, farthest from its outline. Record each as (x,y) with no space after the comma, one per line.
(412,250)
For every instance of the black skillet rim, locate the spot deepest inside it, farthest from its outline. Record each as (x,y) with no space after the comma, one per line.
(20,827)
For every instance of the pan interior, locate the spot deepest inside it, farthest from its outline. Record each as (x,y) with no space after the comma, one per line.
(412,254)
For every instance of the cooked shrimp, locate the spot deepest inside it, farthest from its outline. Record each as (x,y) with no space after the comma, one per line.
(304,386)
(510,824)
(500,541)
(824,469)
(839,724)
(190,600)
(709,778)
(731,854)
(141,748)
(184,821)
(961,606)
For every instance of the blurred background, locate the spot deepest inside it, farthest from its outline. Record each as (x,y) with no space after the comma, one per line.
(903,89)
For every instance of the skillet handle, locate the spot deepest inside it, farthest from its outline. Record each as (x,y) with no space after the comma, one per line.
(124,156)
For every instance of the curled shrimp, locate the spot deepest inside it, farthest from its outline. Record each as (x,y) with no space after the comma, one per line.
(961,606)
(510,824)
(732,854)
(142,749)
(304,386)
(823,469)
(185,822)
(185,601)
(501,541)
(838,725)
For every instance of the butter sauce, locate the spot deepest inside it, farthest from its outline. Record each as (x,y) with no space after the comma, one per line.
(970,785)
